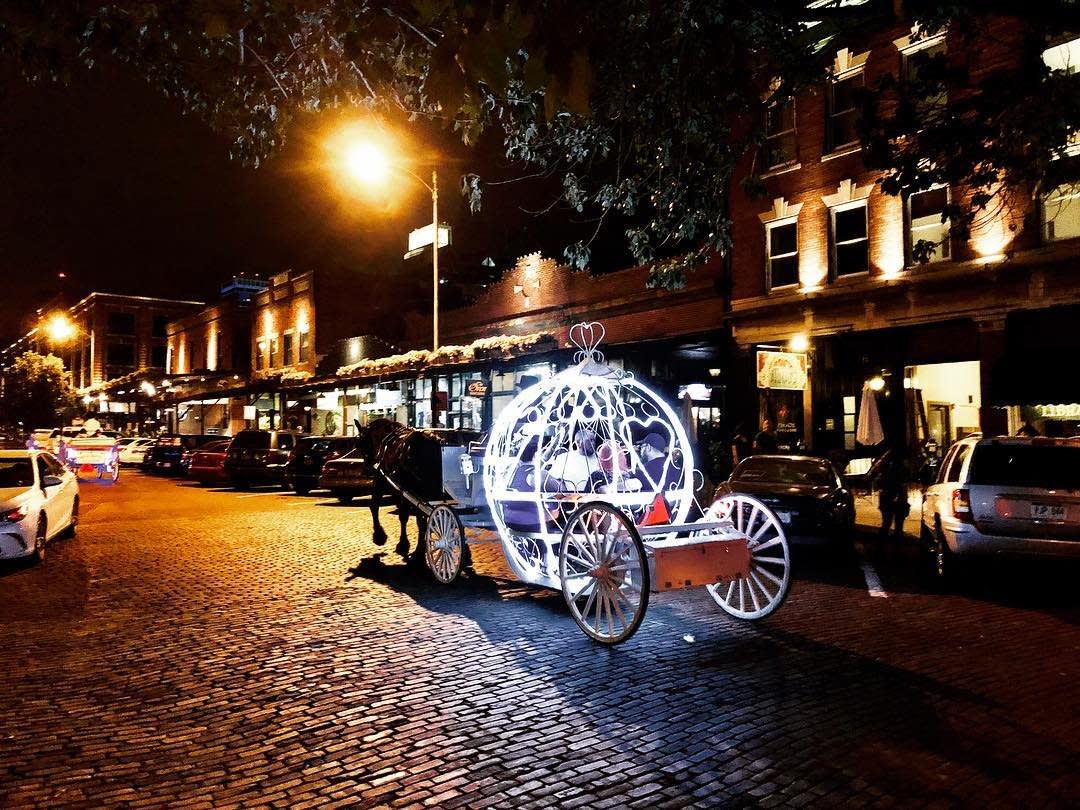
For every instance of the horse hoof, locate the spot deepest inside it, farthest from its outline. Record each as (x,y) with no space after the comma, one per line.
(379,539)
(403,550)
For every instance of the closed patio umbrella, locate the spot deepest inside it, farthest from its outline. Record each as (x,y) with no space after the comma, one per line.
(869,431)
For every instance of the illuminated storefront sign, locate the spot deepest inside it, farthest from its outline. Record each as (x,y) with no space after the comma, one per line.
(1070,411)
(782,371)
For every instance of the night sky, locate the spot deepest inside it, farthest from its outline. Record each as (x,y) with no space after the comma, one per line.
(105,180)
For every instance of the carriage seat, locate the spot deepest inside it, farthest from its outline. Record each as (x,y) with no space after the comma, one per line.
(524,515)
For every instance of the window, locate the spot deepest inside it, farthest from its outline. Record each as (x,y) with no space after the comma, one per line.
(274,356)
(1061,213)
(305,348)
(260,355)
(287,348)
(121,323)
(923,78)
(120,354)
(957,464)
(850,253)
(1064,57)
(842,125)
(159,325)
(158,356)
(782,252)
(780,141)
(927,233)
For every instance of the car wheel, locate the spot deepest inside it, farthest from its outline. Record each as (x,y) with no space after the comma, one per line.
(344,497)
(939,563)
(73,527)
(303,489)
(40,539)
(241,483)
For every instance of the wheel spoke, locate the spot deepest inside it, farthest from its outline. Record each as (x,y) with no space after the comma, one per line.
(775,580)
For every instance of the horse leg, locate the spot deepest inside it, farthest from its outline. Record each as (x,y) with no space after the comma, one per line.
(421,542)
(402,547)
(378,534)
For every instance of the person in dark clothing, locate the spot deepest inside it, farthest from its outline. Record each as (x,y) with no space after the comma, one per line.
(741,444)
(892,495)
(1027,429)
(765,441)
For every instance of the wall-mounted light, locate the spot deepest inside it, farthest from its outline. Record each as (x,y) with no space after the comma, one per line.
(876,383)
(799,342)
(714,372)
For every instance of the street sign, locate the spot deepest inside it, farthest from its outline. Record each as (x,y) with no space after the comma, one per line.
(422,237)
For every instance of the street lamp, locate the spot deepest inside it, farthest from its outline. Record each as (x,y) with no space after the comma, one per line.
(59,328)
(369,165)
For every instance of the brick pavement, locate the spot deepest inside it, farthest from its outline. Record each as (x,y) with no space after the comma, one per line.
(203,648)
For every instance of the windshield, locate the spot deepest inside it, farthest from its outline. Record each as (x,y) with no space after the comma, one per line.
(785,471)
(1026,465)
(16,472)
(251,438)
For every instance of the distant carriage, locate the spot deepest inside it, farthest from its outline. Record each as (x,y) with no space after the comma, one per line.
(588,479)
(93,452)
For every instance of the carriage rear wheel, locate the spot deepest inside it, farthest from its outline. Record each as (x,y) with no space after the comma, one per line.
(604,573)
(444,544)
(758,595)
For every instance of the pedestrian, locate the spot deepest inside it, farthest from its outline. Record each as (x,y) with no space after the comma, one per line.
(741,444)
(31,442)
(765,441)
(1027,429)
(892,495)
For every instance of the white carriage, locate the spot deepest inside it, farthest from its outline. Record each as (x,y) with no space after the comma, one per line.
(93,453)
(588,479)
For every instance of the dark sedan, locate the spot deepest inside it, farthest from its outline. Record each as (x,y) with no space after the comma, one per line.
(805,493)
(167,453)
(306,460)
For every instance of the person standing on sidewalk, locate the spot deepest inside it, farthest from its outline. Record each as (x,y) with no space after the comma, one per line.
(892,495)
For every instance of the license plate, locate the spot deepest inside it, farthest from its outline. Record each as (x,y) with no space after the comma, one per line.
(784,517)
(166,464)
(1045,511)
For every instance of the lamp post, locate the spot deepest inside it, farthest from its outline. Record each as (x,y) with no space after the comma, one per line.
(369,165)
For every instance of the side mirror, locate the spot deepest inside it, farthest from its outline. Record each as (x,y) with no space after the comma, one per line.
(51,481)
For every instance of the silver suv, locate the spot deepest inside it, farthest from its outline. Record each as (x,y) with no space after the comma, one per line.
(1003,495)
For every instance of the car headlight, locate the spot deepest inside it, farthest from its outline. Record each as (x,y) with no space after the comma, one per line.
(15,515)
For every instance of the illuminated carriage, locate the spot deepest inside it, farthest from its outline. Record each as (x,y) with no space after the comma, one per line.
(588,478)
(93,452)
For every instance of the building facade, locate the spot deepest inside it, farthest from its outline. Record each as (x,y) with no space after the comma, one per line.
(826,277)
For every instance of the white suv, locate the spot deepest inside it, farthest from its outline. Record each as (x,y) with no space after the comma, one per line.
(1003,495)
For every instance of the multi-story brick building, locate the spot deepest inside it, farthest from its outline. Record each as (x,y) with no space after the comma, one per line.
(974,339)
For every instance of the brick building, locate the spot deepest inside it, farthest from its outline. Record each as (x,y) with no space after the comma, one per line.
(971,340)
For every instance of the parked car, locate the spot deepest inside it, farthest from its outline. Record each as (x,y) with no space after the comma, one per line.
(806,493)
(207,464)
(189,452)
(166,453)
(347,476)
(259,457)
(1014,495)
(306,461)
(39,499)
(133,450)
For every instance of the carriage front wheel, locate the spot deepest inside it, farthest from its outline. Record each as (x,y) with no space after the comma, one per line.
(758,595)
(444,544)
(604,573)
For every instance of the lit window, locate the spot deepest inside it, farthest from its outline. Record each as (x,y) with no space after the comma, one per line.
(305,348)
(1064,57)
(850,254)
(923,76)
(260,355)
(1061,213)
(274,356)
(780,141)
(287,348)
(782,253)
(842,125)
(927,227)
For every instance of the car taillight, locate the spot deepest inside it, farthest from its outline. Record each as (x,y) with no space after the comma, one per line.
(961,505)
(332,455)
(15,515)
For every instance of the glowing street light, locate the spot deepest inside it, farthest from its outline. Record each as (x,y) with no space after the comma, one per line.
(368,164)
(59,328)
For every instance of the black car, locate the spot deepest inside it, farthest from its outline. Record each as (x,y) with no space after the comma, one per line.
(805,493)
(306,460)
(167,453)
(259,457)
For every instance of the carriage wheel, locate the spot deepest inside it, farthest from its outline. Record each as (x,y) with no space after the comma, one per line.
(770,561)
(444,544)
(604,573)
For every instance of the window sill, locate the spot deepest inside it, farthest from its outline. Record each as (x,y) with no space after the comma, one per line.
(787,167)
(842,151)
(783,289)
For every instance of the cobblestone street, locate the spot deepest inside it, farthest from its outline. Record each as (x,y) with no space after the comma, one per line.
(204,647)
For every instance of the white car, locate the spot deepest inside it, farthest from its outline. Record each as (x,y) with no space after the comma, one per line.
(39,499)
(132,451)
(1006,495)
